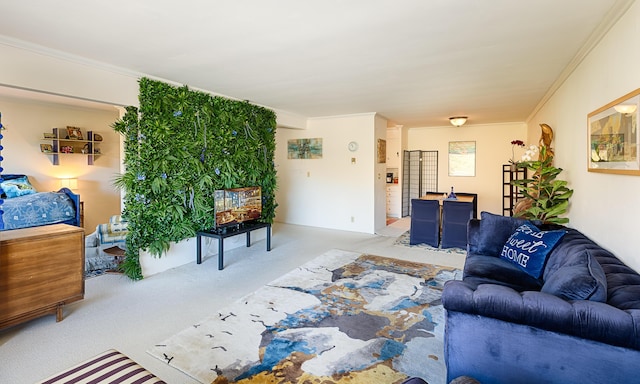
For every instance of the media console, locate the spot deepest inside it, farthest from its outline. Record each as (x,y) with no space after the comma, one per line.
(225,232)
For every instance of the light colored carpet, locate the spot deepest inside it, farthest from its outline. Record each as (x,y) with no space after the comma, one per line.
(342,317)
(403,241)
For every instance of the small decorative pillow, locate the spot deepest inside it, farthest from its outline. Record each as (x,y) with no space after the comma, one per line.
(494,231)
(580,277)
(17,187)
(528,247)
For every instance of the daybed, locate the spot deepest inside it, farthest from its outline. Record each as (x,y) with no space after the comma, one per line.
(578,322)
(24,207)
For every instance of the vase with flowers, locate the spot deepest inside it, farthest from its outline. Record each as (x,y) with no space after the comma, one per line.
(513,161)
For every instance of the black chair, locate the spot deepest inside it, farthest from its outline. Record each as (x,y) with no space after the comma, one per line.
(455,217)
(425,222)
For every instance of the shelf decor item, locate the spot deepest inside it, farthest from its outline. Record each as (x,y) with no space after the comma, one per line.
(46,148)
(74,133)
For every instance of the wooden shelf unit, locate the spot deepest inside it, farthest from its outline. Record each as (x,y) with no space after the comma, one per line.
(510,194)
(59,140)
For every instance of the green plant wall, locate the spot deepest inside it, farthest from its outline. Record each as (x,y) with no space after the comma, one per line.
(180,146)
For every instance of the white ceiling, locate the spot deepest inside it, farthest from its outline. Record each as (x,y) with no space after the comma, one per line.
(416,62)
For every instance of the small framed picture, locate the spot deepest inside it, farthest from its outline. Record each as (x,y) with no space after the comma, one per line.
(46,148)
(74,133)
(47,135)
(66,149)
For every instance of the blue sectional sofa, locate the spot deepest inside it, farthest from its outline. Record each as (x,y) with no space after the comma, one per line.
(578,322)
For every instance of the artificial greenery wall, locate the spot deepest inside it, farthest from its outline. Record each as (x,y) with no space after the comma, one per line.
(180,146)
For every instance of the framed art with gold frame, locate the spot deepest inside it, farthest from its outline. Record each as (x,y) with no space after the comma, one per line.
(382,151)
(613,138)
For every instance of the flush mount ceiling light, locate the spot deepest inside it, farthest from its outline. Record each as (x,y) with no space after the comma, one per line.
(458,121)
(625,108)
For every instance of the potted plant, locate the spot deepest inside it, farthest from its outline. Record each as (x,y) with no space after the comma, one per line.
(546,198)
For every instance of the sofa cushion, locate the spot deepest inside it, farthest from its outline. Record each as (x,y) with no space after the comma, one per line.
(528,247)
(574,271)
(493,232)
(580,278)
(481,269)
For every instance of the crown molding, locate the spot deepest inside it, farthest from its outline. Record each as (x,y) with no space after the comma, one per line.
(610,19)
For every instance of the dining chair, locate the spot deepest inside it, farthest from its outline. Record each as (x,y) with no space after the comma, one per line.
(455,217)
(475,201)
(425,222)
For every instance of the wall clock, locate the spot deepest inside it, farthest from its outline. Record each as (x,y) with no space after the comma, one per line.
(353,146)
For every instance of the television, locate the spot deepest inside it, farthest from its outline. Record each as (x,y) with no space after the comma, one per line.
(236,206)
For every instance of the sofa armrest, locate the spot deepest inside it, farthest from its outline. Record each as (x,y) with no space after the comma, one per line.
(587,319)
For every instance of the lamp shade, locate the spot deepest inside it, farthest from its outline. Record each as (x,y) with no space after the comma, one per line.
(625,108)
(458,121)
(69,183)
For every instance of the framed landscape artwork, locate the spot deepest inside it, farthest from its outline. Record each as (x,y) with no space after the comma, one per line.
(462,158)
(613,137)
(304,148)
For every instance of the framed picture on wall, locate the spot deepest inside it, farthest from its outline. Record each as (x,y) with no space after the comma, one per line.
(382,151)
(613,137)
(304,148)
(74,133)
(462,158)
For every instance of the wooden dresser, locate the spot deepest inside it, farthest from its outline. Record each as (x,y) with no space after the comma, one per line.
(41,269)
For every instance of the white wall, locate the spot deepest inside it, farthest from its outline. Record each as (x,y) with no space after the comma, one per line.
(329,192)
(380,182)
(605,207)
(493,148)
(27,120)
(28,69)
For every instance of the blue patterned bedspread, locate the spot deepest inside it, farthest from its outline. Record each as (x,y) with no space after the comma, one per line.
(38,209)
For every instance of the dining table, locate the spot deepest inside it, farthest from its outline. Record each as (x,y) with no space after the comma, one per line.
(440,197)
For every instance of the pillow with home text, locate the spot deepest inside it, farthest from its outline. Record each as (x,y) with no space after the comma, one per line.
(528,247)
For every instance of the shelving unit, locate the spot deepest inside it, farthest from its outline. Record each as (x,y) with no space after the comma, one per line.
(60,140)
(510,194)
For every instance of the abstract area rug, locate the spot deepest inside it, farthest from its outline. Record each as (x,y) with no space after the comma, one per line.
(403,240)
(343,317)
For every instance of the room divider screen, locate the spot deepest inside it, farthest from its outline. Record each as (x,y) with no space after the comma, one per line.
(419,176)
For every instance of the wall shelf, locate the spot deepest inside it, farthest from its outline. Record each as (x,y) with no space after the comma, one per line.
(59,144)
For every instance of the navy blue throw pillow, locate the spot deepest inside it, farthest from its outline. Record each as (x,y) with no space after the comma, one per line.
(528,247)
(494,231)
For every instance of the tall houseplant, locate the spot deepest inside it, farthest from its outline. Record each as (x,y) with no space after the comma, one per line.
(546,198)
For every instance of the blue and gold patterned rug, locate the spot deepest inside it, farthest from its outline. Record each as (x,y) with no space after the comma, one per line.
(344,317)
(403,240)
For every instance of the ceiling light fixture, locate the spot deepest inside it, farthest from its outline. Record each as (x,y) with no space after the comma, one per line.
(458,121)
(625,108)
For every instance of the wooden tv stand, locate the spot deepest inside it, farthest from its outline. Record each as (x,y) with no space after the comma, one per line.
(41,269)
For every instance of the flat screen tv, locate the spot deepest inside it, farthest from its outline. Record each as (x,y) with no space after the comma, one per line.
(237,205)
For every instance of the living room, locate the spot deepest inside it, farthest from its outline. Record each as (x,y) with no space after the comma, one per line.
(308,190)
